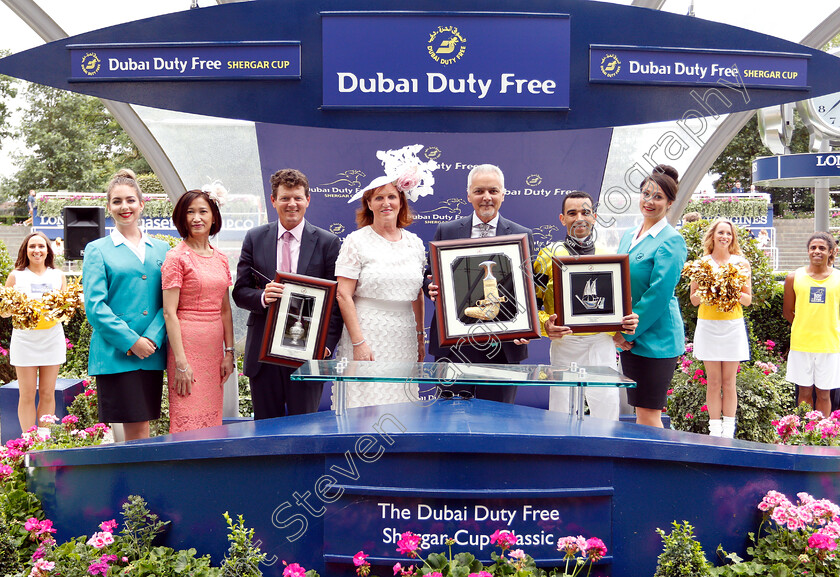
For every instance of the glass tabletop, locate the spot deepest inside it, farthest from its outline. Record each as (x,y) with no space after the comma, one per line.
(460,373)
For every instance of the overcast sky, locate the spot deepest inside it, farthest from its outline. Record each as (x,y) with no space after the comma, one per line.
(787,19)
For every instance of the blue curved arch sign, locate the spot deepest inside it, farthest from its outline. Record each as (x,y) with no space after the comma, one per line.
(457,66)
(795,170)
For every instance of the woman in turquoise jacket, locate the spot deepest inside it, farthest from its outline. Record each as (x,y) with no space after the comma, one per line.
(124,305)
(657,255)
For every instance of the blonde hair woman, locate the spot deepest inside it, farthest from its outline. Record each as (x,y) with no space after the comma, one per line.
(720,340)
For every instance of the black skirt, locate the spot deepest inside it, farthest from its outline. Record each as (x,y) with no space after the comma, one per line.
(653,379)
(132,397)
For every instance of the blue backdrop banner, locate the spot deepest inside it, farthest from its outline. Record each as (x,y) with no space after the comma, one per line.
(540,168)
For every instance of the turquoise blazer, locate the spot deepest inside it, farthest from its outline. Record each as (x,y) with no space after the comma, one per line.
(655,268)
(123,302)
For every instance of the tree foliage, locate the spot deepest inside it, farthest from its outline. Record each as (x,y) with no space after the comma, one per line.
(734,164)
(73,144)
(8,90)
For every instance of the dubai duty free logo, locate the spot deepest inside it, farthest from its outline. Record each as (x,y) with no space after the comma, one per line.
(91,64)
(446,45)
(610,65)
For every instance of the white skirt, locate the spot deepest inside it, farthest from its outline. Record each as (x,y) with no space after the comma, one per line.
(41,348)
(721,340)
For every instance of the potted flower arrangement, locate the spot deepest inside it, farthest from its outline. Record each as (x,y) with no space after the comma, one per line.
(579,554)
(793,539)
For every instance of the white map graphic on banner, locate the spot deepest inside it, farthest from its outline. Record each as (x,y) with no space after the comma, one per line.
(395,163)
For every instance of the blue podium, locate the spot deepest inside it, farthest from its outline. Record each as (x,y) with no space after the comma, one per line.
(65,391)
(318,488)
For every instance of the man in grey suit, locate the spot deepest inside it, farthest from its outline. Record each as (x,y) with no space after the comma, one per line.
(486,192)
(290,244)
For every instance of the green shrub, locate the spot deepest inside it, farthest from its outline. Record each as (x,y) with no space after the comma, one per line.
(78,331)
(150,184)
(172,240)
(681,555)
(728,207)
(762,398)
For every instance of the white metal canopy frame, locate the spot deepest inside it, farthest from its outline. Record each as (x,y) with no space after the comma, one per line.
(49,30)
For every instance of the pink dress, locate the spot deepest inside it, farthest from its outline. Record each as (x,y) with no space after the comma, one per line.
(204,282)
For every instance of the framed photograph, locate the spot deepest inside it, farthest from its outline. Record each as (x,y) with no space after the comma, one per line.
(296,329)
(486,289)
(592,293)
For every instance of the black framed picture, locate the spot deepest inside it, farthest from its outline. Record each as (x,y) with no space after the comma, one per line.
(592,293)
(486,289)
(296,329)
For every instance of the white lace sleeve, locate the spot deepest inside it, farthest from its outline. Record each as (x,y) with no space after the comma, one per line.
(349,264)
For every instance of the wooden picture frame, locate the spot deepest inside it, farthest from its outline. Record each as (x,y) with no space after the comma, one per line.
(592,292)
(470,313)
(298,322)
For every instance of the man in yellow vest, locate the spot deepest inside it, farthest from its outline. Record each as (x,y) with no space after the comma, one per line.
(586,349)
(811,304)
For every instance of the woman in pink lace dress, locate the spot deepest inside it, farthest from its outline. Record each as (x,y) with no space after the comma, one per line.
(196,307)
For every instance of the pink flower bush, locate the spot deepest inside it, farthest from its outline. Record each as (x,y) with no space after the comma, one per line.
(813,430)
(108,526)
(822,541)
(503,539)
(571,545)
(101,540)
(42,567)
(294,570)
(595,549)
(408,544)
(38,528)
(362,566)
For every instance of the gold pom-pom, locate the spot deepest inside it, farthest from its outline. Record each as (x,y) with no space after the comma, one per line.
(720,288)
(62,305)
(57,306)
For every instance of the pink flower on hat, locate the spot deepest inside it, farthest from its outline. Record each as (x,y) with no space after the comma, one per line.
(408,180)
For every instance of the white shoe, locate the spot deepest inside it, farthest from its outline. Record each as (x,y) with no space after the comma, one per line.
(728,428)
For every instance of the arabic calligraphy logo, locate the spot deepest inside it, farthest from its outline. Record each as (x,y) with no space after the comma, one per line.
(91,64)
(337,228)
(446,45)
(432,153)
(533,180)
(610,65)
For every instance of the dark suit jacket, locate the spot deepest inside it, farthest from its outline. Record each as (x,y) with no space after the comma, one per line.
(462,228)
(318,251)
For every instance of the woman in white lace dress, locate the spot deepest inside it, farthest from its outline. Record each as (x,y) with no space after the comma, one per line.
(380,277)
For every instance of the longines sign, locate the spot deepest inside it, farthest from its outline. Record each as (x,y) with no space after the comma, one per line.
(473,60)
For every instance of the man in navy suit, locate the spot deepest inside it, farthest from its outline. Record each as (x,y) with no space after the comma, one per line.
(486,192)
(293,245)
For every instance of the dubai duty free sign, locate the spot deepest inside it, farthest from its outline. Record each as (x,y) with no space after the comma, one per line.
(454,66)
